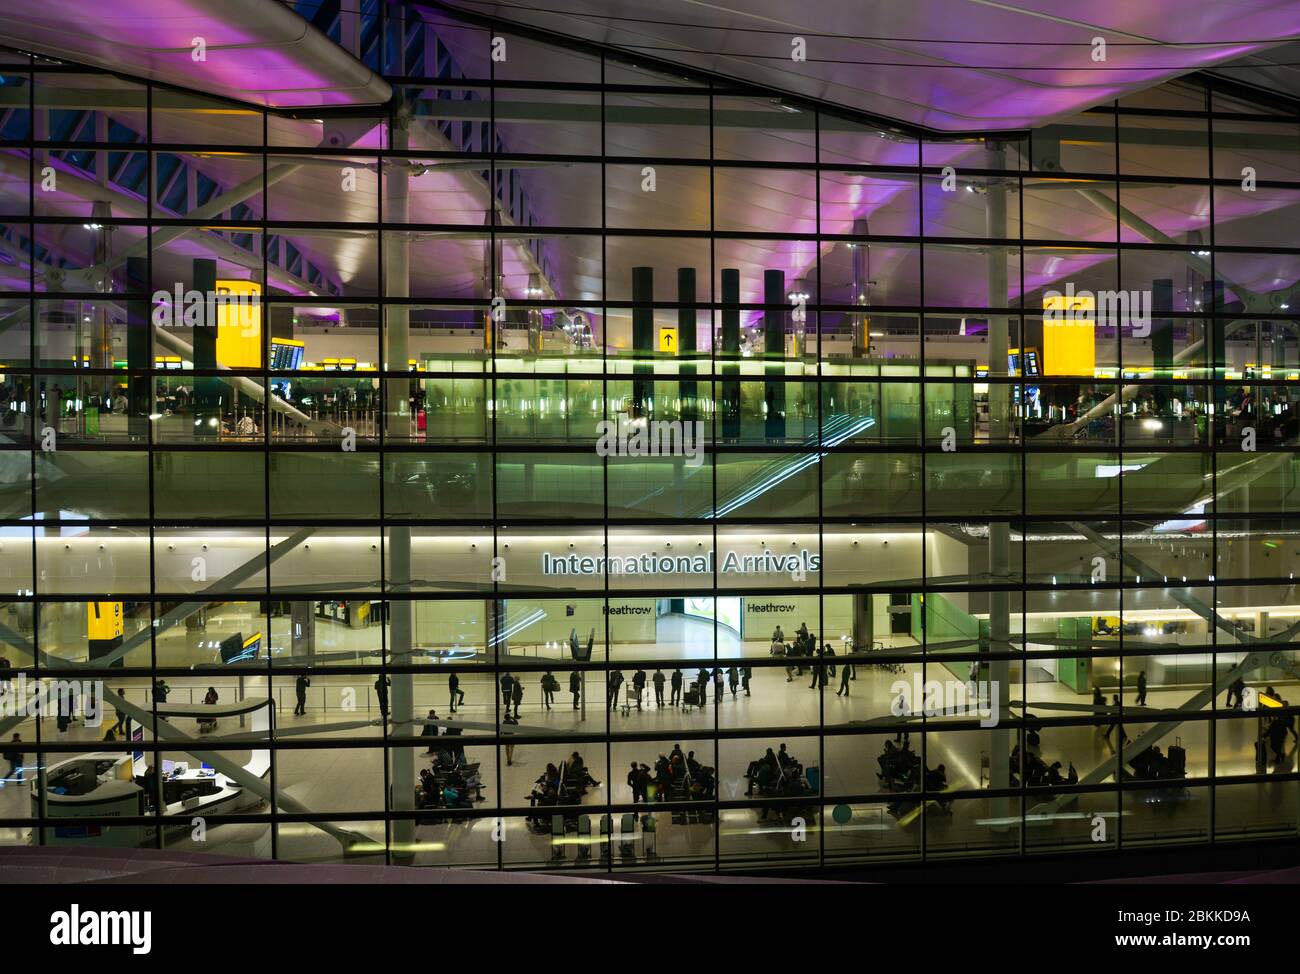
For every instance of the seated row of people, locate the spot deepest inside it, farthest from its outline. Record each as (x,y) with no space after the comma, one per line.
(777,773)
(676,776)
(936,781)
(1037,772)
(560,786)
(900,767)
(450,789)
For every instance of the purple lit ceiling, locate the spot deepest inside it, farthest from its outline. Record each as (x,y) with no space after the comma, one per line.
(254,51)
(951,65)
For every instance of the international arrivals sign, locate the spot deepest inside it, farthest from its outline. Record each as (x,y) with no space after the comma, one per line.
(797,563)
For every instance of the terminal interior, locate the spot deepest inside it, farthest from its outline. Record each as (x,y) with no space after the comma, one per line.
(1006,424)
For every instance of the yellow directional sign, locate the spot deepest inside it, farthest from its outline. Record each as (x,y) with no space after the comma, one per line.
(239,325)
(103,620)
(668,338)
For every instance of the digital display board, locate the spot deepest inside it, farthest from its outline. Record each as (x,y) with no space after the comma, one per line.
(286,354)
(726,610)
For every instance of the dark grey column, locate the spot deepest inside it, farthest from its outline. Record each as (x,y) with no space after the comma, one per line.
(643,341)
(139,350)
(688,388)
(729,397)
(774,311)
(207,389)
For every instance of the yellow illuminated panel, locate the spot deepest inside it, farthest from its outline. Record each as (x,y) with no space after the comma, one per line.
(239,325)
(103,620)
(668,339)
(1069,342)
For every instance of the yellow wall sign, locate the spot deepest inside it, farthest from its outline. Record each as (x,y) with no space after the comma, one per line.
(668,339)
(239,324)
(1069,339)
(103,620)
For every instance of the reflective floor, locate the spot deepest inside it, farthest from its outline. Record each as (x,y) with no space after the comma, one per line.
(345,781)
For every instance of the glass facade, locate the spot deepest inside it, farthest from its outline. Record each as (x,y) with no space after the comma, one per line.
(563,367)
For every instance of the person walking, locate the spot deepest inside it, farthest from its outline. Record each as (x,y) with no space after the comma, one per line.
(160,691)
(746,674)
(1110,728)
(677,687)
(1142,689)
(733,679)
(300,686)
(659,688)
(14,755)
(819,671)
(456,693)
(843,691)
(120,714)
(382,683)
(549,685)
(1235,691)
(517,695)
(717,686)
(636,782)
(431,731)
(510,750)
(614,684)
(507,683)
(575,688)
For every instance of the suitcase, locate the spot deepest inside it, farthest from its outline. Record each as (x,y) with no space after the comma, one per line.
(1178,759)
(692,698)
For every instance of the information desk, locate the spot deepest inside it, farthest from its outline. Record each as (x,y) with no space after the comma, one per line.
(111,784)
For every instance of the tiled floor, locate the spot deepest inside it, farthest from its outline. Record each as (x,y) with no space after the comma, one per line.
(350,780)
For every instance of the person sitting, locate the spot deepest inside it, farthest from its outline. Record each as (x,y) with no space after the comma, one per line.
(550,777)
(783,757)
(692,765)
(764,779)
(544,798)
(936,780)
(888,762)
(454,790)
(431,793)
(578,771)
(703,782)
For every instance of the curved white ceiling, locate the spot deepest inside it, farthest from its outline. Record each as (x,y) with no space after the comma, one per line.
(254,51)
(952,65)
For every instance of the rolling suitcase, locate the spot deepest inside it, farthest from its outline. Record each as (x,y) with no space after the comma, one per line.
(1178,758)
